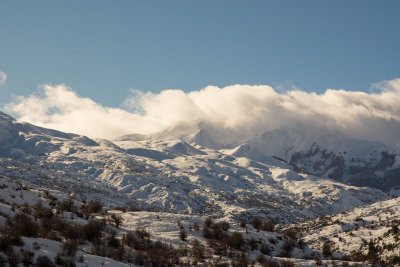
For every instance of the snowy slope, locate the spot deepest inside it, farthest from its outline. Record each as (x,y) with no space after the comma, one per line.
(175,178)
(328,153)
(323,152)
(174,175)
(350,233)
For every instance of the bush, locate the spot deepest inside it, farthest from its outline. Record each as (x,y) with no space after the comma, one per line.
(113,241)
(27,258)
(67,205)
(235,240)
(264,249)
(256,222)
(253,244)
(25,225)
(42,212)
(70,247)
(92,230)
(116,219)
(142,233)
(183,235)
(288,245)
(327,249)
(207,233)
(70,230)
(139,240)
(198,250)
(224,225)
(291,233)
(267,262)
(268,226)
(9,237)
(44,261)
(92,207)
(287,264)
(129,239)
(2,261)
(208,222)
(13,258)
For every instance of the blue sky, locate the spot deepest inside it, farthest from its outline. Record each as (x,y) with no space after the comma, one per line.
(102,49)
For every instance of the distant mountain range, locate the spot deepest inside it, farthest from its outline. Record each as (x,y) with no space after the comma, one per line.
(318,151)
(280,175)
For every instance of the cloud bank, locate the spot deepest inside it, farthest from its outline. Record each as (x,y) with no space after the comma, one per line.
(3,78)
(242,111)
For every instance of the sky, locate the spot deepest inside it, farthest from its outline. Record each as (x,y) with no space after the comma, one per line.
(105,49)
(238,68)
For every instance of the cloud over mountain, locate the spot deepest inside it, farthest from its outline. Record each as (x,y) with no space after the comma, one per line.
(238,110)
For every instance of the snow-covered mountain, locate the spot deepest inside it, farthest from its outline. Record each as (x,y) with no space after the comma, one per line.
(323,152)
(334,155)
(174,175)
(178,178)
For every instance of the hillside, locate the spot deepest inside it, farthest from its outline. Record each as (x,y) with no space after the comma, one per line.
(234,204)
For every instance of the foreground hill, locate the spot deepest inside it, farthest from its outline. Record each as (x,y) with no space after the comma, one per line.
(42,227)
(365,233)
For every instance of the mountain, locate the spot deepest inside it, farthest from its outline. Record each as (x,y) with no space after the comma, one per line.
(191,197)
(170,174)
(322,152)
(334,155)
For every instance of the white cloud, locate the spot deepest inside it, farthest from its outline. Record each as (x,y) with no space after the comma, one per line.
(59,107)
(238,111)
(3,78)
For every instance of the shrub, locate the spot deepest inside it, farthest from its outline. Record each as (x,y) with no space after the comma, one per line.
(2,261)
(9,237)
(183,235)
(287,264)
(264,249)
(13,258)
(42,212)
(327,249)
(129,239)
(208,222)
(67,205)
(70,230)
(256,222)
(44,261)
(25,225)
(113,241)
(291,233)
(92,207)
(27,258)
(224,225)
(116,219)
(267,262)
(142,233)
(235,240)
(253,244)
(288,245)
(70,247)
(207,233)
(93,229)
(198,250)
(268,226)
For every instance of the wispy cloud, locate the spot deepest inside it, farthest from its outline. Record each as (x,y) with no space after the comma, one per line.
(3,78)
(237,110)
